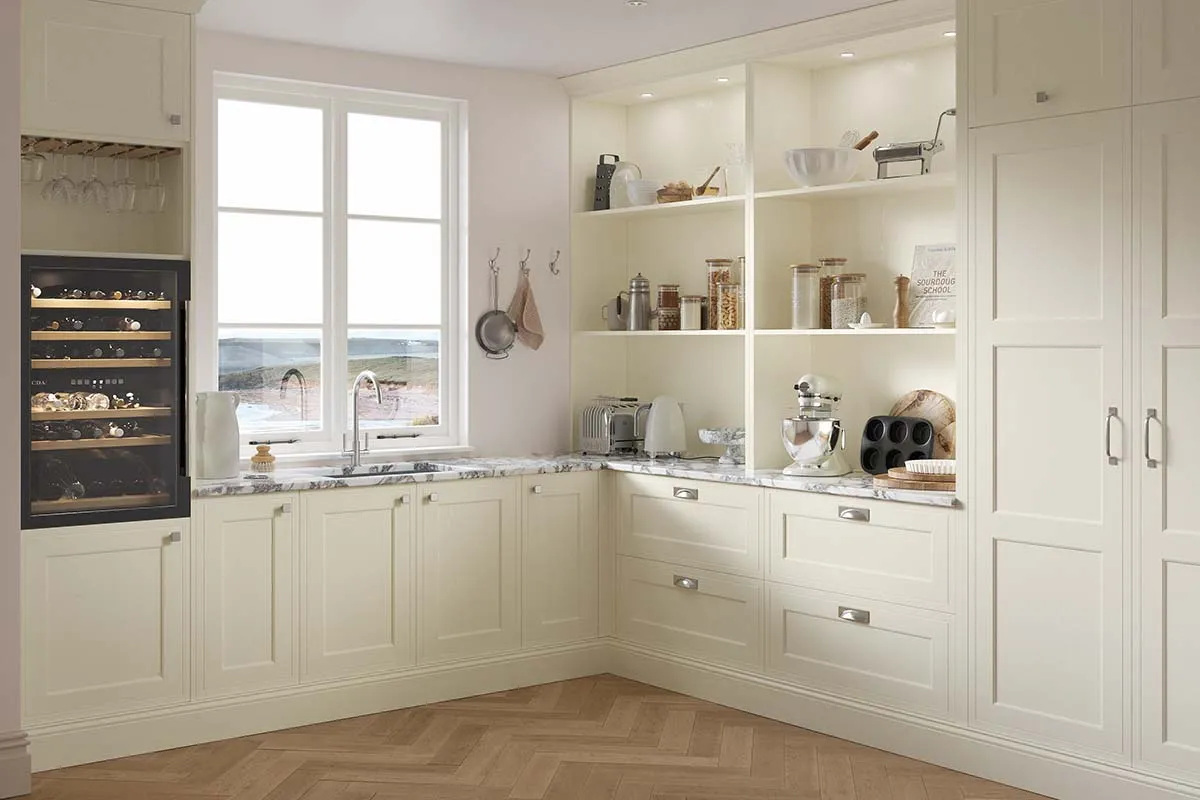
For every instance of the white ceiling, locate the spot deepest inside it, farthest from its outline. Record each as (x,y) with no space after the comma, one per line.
(554,37)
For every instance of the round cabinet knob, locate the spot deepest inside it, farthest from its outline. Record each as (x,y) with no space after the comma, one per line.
(433,497)
(537,489)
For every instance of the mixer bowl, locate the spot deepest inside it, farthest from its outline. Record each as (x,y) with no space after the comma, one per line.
(811,442)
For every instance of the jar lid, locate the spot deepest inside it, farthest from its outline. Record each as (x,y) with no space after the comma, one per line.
(833,260)
(668,286)
(728,286)
(808,268)
(850,277)
(719,262)
(640,282)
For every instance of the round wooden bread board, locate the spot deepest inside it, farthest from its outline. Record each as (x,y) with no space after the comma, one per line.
(902,474)
(884,482)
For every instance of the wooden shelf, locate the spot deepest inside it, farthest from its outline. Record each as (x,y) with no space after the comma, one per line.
(106,336)
(841,191)
(98,363)
(863,332)
(98,503)
(669,209)
(100,444)
(106,413)
(659,334)
(102,305)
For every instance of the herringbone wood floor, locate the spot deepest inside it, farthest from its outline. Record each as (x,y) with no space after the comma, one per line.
(602,738)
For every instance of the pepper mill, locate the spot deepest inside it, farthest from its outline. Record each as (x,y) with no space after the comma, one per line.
(900,312)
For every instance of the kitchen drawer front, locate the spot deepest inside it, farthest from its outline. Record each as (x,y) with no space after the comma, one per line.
(698,523)
(692,612)
(887,551)
(891,655)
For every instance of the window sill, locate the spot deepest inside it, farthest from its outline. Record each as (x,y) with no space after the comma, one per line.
(296,460)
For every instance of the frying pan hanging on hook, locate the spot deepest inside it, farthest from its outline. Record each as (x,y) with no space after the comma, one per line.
(495,331)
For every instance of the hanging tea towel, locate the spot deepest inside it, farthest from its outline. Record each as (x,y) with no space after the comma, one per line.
(524,312)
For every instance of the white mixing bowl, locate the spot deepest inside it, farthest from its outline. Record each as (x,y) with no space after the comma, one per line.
(821,166)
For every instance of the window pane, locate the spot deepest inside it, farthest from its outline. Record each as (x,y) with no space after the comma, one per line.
(270,269)
(395,273)
(395,166)
(407,364)
(253,362)
(270,156)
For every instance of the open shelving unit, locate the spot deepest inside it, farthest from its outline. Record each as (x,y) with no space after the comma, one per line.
(743,116)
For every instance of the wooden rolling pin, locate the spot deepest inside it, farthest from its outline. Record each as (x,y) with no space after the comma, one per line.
(866,140)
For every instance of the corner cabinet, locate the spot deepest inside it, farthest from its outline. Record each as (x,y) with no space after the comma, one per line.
(97,69)
(245,588)
(103,619)
(469,569)
(560,558)
(358,593)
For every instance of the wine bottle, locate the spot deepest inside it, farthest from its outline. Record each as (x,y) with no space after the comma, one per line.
(135,294)
(87,351)
(42,432)
(41,351)
(92,430)
(67,431)
(131,429)
(71,294)
(115,351)
(53,481)
(40,324)
(127,324)
(152,351)
(127,400)
(35,291)
(66,324)
(97,294)
(115,430)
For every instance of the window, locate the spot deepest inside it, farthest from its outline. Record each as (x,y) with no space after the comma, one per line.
(337,252)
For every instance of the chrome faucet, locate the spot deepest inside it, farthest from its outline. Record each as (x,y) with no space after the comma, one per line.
(366,375)
(283,384)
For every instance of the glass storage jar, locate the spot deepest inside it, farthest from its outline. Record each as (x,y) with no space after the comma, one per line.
(729,307)
(668,307)
(691,317)
(848,299)
(720,270)
(806,296)
(833,266)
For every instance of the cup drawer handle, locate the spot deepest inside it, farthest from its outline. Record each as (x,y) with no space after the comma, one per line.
(856,615)
(683,493)
(854,514)
(690,584)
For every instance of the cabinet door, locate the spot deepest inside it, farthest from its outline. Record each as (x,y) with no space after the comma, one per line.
(103,70)
(469,551)
(103,619)
(1043,58)
(1168,192)
(560,562)
(358,582)
(245,593)
(1166,61)
(1049,222)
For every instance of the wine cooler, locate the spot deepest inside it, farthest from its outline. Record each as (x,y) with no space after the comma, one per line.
(104,373)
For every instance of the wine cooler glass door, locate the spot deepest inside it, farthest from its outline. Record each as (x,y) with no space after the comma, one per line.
(104,362)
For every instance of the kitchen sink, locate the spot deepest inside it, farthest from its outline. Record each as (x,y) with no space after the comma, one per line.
(401,468)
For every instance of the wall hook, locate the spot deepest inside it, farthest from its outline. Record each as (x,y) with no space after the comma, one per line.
(554,270)
(492,263)
(525,262)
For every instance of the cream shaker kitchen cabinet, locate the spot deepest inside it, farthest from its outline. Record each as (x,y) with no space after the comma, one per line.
(358,581)
(1054,432)
(100,70)
(1039,58)
(560,564)
(103,622)
(245,593)
(469,569)
(1166,61)
(1167,186)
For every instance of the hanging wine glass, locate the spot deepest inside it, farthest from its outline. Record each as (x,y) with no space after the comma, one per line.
(32,167)
(122,195)
(154,190)
(60,189)
(93,191)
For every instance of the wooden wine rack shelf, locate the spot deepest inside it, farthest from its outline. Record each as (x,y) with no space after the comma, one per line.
(98,363)
(107,336)
(102,305)
(100,444)
(104,413)
(98,503)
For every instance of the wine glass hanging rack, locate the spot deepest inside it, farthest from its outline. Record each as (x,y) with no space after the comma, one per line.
(55,145)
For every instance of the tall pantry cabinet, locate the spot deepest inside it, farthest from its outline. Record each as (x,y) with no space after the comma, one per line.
(1084,186)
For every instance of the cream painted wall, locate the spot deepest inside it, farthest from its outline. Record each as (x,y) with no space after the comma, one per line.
(14,764)
(518,173)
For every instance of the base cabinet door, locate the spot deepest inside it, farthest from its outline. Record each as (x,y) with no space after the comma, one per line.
(1168,176)
(469,569)
(103,625)
(102,69)
(359,588)
(245,593)
(706,615)
(559,558)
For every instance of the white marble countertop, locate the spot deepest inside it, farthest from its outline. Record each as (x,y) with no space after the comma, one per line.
(856,484)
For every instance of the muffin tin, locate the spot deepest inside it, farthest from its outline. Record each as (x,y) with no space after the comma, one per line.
(888,442)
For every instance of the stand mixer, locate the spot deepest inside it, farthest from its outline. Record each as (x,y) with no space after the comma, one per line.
(815,438)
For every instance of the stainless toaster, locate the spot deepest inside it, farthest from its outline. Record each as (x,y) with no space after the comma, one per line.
(612,426)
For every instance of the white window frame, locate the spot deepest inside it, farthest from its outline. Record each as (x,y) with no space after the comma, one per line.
(337,103)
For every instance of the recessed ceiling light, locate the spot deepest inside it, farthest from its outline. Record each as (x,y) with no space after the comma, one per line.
(722,80)
(646,95)
(950,34)
(847,54)
(635,3)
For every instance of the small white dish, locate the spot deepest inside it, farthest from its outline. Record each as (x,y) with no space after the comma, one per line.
(858,326)
(932,466)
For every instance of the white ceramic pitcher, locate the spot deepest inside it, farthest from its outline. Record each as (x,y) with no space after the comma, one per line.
(217,434)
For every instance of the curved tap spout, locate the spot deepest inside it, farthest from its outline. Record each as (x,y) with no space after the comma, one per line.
(364,376)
